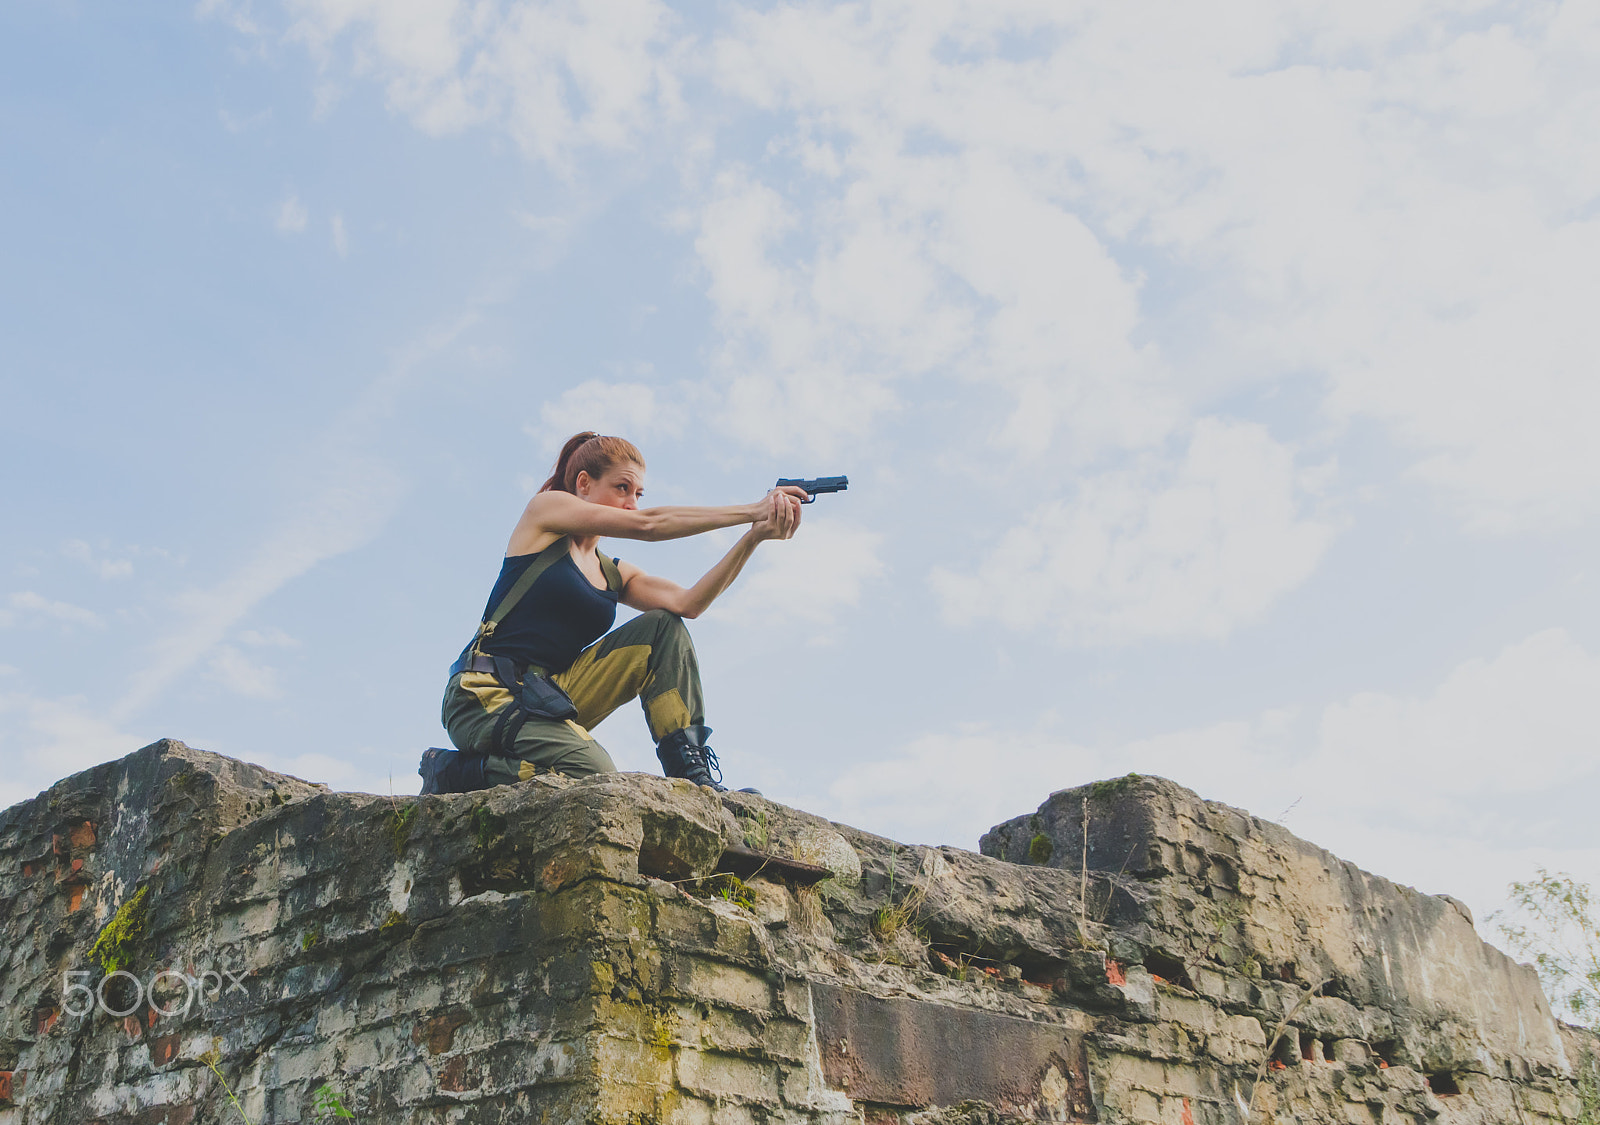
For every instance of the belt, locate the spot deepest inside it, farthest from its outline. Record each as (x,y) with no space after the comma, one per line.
(480,662)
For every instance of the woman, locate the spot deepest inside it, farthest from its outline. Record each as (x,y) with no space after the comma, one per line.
(539,673)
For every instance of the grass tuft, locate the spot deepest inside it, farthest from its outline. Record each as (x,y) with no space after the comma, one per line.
(400,820)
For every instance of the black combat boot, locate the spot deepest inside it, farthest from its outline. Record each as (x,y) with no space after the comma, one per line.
(450,771)
(684,754)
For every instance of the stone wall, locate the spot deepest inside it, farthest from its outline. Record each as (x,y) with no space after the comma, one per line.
(565,951)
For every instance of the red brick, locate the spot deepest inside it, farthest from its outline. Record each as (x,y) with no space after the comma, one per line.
(164,1048)
(456,1077)
(440,1031)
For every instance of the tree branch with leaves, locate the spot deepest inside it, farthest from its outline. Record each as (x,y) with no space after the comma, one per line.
(1551,921)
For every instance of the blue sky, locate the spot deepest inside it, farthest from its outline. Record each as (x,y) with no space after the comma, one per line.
(1217,390)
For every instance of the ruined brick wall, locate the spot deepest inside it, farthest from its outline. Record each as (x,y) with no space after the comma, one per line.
(561,951)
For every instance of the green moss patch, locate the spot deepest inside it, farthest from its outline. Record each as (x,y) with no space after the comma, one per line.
(1114,786)
(487,827)
(115,947)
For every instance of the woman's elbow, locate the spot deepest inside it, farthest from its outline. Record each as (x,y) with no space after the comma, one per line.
(651,528)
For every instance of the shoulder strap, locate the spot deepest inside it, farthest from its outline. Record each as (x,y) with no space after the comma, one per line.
(545,560)
(608,566)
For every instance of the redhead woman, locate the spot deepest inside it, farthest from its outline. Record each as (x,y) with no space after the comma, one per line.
(543,667)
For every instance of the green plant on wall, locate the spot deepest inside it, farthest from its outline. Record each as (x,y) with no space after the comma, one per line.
(724,885)
(327,1105)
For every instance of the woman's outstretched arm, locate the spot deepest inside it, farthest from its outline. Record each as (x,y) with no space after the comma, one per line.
(554,513)
(645,591)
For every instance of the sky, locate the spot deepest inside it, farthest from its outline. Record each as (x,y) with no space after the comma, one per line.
(1214,383)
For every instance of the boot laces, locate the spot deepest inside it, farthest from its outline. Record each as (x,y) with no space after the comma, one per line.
(706,759)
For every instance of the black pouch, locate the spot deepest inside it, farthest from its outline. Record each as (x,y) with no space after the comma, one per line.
(534,694)
(544,699)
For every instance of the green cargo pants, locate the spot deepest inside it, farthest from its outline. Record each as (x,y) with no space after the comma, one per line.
(650,658)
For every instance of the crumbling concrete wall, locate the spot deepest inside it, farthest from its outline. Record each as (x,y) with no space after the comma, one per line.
(564,951)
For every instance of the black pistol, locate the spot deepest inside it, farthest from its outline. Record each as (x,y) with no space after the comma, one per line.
(820,484)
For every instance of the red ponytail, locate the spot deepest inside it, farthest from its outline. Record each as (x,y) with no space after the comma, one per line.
(590,453)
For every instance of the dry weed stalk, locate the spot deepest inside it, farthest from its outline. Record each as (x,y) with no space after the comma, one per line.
(1272,1045)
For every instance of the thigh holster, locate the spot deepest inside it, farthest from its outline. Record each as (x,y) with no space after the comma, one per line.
(533,696)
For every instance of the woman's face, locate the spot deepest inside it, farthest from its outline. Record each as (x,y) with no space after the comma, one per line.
(618,487)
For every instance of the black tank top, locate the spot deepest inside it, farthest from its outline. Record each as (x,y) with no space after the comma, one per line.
(560,616)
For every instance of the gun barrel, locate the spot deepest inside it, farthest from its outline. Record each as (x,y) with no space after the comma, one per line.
(817,484)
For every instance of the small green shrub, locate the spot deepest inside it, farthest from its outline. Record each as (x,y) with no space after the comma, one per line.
(1040,849)
(327,1105)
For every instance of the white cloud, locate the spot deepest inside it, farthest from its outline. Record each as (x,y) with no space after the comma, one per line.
(45,739)
(1521,722)
(1399,203)
(1114,223)
(355,499)
(237,123)
(268,638)
(632,410)
(27,602)
(807,579)
(239,674)
(236,13)
(105,567)
(349,499)
(901,268)
(1190,548)
(1450,790)
(292,215)
(560,77)
(341,239)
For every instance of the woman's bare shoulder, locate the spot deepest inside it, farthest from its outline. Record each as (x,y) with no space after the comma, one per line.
(532,534)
